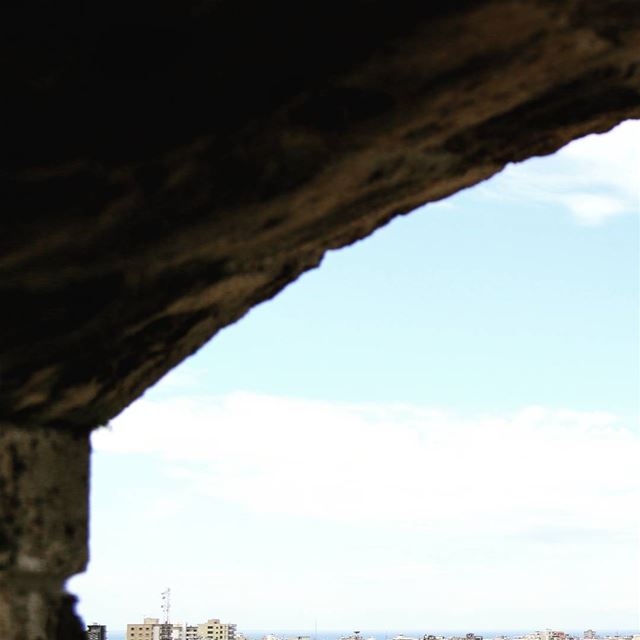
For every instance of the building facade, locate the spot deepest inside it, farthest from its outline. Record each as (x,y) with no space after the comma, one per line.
(153,629)
(96,631)
(144,631)
(213,629)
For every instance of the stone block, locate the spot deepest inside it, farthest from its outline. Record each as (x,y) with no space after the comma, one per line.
(43,529)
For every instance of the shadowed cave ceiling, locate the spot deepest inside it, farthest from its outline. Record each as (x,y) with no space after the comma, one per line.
(168,166)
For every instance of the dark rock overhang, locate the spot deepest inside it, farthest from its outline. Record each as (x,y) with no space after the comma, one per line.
(167,166)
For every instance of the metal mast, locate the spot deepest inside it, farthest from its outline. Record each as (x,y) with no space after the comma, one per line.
(166,632)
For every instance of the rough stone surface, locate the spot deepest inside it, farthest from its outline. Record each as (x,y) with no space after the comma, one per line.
(169,166)
(43,530)
(166,166)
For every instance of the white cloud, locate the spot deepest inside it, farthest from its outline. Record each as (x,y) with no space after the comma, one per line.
(537,470)
(594,178)
(592,209)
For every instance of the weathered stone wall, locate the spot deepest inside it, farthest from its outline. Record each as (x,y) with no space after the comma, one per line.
(167,166)
(43,530)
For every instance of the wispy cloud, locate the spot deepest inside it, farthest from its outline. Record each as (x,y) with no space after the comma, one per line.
(534,470)
(594,178)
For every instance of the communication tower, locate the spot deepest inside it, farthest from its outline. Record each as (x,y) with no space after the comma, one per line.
(166,629)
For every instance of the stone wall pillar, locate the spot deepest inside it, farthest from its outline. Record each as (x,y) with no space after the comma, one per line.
(43,530)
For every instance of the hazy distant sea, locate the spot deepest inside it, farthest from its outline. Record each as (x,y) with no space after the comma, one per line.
(388,634)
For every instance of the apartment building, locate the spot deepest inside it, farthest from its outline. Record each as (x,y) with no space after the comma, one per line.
(213,629)
(96,631)
(148,630)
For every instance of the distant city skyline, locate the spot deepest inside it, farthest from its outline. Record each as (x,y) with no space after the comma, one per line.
(438,428)
(432,634)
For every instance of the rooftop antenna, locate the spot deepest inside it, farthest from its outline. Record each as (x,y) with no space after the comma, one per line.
(166,604)
(165,628)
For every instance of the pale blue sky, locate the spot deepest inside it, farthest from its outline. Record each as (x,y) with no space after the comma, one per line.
(437,429)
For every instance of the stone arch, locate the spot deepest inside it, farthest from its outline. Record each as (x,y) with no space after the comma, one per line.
(167,168)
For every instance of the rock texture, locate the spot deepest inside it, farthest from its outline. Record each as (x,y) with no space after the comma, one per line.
(43,530)
(168,167)
(165,166)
